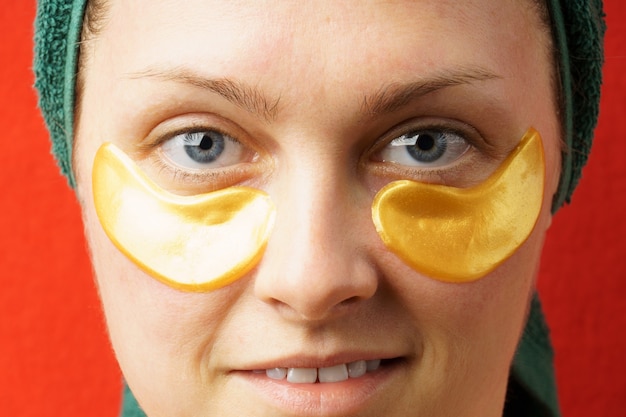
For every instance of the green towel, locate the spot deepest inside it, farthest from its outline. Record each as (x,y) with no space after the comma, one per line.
(57,34)
(578,27)
(130,407)
(532,385)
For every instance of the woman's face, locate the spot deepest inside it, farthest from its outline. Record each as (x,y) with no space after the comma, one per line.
(314,92)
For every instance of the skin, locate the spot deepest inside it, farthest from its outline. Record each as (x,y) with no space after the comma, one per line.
(326,288)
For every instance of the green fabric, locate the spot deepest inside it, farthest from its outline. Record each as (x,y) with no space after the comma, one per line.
(533,370)
(578,28)
(57,35)
(130,407)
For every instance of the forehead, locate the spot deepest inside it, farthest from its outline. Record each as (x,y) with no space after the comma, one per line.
(319,60)
(320,40)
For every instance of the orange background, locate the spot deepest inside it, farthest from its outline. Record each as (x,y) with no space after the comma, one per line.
(55,359)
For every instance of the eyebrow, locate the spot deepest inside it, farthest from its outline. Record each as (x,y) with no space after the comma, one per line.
(387,99)
(240,94)
(394,96)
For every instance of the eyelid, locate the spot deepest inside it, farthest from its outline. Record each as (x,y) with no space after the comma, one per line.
(206,179)
(465,131)
(469,169)
(152,143)
(183,180)
(193,123)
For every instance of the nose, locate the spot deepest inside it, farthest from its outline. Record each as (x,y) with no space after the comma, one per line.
(316,264)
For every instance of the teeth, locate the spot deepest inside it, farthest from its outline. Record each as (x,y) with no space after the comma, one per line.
(302,375)
(276,373)
(357,369)
(372,365)
(335,373)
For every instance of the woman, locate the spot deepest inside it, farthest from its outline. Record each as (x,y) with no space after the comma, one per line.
(330,209)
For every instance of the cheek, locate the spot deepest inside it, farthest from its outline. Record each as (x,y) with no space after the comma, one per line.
(485,314)
(470,329)
(487,311)
(160,335)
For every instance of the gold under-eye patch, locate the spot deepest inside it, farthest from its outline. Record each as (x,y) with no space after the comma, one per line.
(462,234)
(192,243)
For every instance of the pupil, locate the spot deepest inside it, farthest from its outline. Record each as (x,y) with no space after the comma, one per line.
(207,149)
(428,146)
(425,142)
(206,143)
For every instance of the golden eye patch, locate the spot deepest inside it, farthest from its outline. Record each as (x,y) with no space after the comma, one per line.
(462,234)
(192,243)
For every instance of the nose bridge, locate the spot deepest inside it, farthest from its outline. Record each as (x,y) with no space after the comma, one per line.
(315,199)
(313,261)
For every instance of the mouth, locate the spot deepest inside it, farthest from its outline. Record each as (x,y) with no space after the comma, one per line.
(334,387)
(336,373)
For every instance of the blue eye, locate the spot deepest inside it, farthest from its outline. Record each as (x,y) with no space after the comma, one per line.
(425,148)
(205,149)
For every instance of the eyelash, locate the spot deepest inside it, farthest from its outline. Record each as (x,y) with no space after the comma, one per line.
(209,179)
(203,180)
(460,129)
(193,128)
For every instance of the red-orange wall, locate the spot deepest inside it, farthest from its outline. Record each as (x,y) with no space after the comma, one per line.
(55,359)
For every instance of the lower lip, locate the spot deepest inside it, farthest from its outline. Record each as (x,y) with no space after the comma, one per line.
(327,399)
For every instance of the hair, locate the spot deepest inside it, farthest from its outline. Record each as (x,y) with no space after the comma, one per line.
(96,13)
(94,20)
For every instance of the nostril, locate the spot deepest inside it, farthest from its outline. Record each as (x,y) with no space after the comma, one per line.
(350,301)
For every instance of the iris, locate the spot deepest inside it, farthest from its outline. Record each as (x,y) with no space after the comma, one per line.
(426,146)
(204,147)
